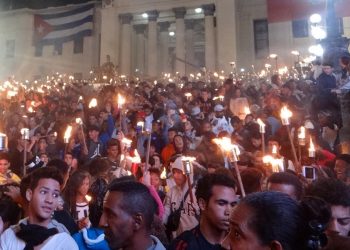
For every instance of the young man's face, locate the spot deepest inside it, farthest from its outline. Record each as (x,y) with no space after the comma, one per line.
(113,152)
(217,210)
(93,134)
(327,69)
(341,169)
(43,200)
(340,221)
(155,180)
(179,177)
(4,166)
(118,225)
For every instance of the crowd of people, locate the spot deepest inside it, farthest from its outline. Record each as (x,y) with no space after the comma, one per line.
(136,166)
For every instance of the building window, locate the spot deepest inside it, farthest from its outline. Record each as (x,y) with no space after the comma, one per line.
(300,28)
(38,50)
(58,47)
(78,45)
(261,38)
(10,48)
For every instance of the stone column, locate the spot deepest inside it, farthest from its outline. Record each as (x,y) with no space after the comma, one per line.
(180,53)
(152,43)
(164,46)
(190,55)
(210,51)
(140,48)
(125,62)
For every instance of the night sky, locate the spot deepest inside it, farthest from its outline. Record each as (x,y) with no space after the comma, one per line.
(36,4)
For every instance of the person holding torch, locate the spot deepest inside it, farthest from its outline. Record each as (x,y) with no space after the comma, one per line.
(179,198)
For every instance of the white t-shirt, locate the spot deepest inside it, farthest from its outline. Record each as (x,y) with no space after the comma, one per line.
(60,241)
(82,210)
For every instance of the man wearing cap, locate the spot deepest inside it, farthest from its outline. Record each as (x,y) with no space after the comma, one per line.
(180,194)
(220,122)
(342,168)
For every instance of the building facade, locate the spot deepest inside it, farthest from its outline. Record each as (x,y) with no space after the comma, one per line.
(150,37)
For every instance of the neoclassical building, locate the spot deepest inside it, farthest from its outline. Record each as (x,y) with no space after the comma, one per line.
(150,37)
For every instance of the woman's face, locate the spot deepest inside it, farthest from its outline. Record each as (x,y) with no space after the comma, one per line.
(84,187)
(241,236)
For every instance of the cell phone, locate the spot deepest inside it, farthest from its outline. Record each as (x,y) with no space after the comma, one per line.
(309,172)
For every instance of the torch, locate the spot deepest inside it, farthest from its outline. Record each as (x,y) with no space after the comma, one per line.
(79,121)
(3,142)
(286,114)
(121,101)
(93,103)
(227,147)
(301,140)
(262,132)
(312,150)
(25,136)
(66,137)
(187,169)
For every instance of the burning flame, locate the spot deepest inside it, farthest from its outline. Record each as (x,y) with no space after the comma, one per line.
(274,149)
(224,143)
(188,95)
(93,103)
(286,113)
(121,101)
(301,134)
(312,146)
(163,174)
(30,109)
(67,134)
(79,121)
(88,198)
(127,142)
(246,110)
(181,111)
(262,125)
(188,158)
(267,159)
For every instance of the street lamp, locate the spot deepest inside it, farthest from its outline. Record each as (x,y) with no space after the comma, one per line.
(315,18)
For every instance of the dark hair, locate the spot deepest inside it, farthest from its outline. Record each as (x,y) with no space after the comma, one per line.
(98,167)
(112,143)
(9,211)
(62,166)
(136,199)
(333,191)
(327,63)
(45,173)
(278,217)
(251,178)
(206,183)
(155,171)
(71,190)
(4,156)
(343,157)
(287,179)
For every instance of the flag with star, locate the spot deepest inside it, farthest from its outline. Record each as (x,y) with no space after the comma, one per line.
(63,26)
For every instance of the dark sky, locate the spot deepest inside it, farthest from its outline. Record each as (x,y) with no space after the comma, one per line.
(36,4)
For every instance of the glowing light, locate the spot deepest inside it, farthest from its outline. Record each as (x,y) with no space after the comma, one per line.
(198,10)
(121,101)
(317,50)
(246,110)
(318,33)
(93,103)
(262,126)
(67,134)
(163,174)
(285,114)
(295,52)
(88,198)
(273,56)
(145,15)
(171,33)
(315,18)
(312,150)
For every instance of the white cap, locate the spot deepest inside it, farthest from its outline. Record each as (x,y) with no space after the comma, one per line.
(218,108)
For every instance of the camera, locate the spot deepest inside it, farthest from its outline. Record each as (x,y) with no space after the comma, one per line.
(309,172)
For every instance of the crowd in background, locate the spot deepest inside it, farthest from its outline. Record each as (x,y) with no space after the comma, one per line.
(96,177)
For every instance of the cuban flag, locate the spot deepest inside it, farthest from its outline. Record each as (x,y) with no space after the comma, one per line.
(61,27)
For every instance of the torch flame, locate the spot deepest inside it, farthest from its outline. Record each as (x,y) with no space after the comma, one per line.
(274,149)
(188,95)
(286,113)
(88,198)
(30,109)
(312,146)
(127,142)
(93,103)
(67,133)
(121,101)
(246,110)
(267,159)
(136,158)
(301,134)
(78,121)
(163,174)
(224,143)
(188,158)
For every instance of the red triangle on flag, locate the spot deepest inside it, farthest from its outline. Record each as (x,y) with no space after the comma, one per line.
(41,27)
